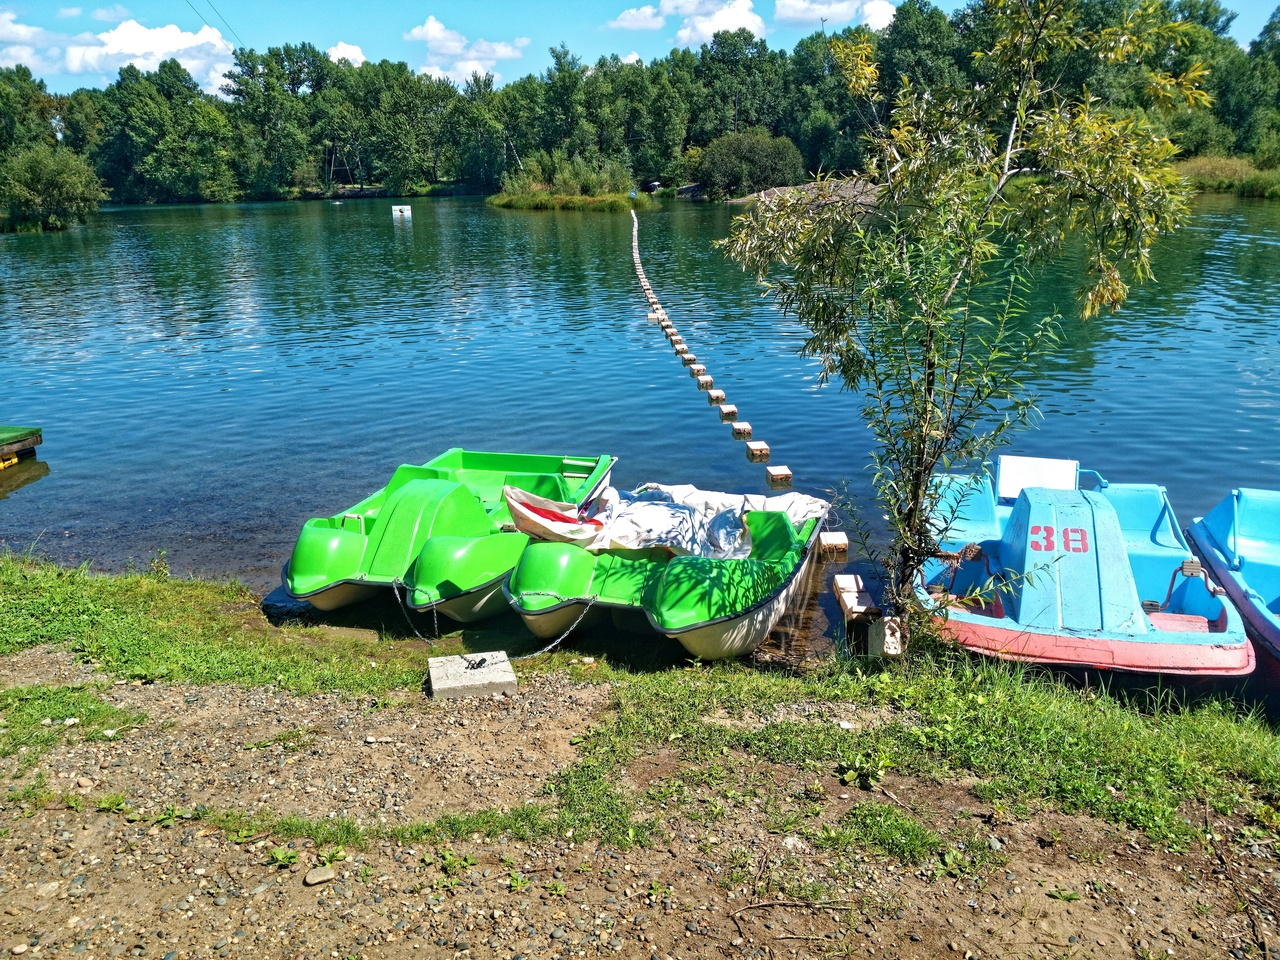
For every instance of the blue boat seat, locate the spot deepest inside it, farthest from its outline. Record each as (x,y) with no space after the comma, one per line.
(1151,537)
(1258,528)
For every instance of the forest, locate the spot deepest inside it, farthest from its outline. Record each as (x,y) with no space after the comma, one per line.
(733,115)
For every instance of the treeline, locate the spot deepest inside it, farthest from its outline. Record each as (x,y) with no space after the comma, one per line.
(734,114)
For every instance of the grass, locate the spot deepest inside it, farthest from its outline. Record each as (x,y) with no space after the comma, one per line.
(545,200)
(1146,761)
(38,718)
(1230,175)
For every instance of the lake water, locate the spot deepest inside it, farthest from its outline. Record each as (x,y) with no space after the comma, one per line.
(209,377)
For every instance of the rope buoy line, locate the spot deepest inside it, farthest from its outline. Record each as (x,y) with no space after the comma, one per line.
(757,450)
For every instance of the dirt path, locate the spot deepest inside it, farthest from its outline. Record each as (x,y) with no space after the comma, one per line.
(134,882)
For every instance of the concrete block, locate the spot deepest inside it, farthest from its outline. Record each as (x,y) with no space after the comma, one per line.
(715,397)
(471,675)
(728,412)
(696,370)
(705,381)
(884,639)
(741,429)
(757,451)
(854,598)
(833,543)
(778,476)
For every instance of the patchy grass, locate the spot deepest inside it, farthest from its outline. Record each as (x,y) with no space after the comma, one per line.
(1230,175)
(884,829)
(146,626)
(36,719)
(545,200)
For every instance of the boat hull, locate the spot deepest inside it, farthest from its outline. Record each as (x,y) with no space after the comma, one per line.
(1102,653)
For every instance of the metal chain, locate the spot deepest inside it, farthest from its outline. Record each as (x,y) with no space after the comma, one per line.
(560,639)
(396,584)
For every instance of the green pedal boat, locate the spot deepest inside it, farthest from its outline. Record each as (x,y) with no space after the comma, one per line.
(713,571)
(441,530)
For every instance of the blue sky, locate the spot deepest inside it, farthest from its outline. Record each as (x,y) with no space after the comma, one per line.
(72,44)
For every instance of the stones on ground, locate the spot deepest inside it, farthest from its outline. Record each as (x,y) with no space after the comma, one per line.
(318,875)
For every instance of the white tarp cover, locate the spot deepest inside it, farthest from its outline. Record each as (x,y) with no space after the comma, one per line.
(682,518)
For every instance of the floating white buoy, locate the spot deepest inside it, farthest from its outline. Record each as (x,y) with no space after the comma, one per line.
(728,412)
(682,349)
(651,317)
(715,397)
(833,543)
(402,211)
(696,370)
(757,451)
(853,596)
(778,476)
(741,429)
(705,381)
(688,359)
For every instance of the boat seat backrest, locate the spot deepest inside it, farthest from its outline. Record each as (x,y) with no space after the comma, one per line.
(1013,474)
(967,504)
(773,535)
(1258,527)
(1151,535)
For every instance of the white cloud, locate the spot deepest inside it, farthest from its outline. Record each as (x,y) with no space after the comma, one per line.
(632,57)
(450,54)
(639,18)
(66,12)
(346,51)
(13,32)
(814,11)
(707,19)
(204,53)
(111,14)
(878,14)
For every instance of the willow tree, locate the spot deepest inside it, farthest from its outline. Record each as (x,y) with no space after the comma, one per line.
(910,279)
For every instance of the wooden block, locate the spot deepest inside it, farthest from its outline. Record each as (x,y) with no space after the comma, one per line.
(742,429)
(884,639)
(833,543)
(757,451)
(853,597)
(715,397)
(687,358)
(651,317)
(682,349)
(675,338)
(666,325)
(778,476)
(696,370)
(728,412)
(705,382)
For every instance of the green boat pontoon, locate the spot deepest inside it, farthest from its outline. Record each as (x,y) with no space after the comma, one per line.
(714,571)
(441,530)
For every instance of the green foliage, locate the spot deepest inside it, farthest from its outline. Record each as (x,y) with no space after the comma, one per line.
(562,175)
(884,829)
(39,718)
(48,188)
(282,857)
(740,163)
(910,280)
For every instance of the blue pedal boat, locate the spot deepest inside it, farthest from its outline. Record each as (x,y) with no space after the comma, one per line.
(1046,563)
(1239,540)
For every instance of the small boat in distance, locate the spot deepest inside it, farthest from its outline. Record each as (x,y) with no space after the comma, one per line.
(1239,540)
(442,530)
(1046,563)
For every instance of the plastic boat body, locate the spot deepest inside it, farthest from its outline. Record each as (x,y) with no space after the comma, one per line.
(716,608)
(1239,541)
(440,531)
(1053,565)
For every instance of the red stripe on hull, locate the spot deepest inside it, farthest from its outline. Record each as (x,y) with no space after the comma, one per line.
(1102,654)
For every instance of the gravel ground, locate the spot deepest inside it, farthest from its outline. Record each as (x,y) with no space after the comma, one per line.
(109,884)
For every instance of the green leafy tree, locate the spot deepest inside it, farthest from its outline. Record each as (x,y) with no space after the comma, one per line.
(26,110)
(412,130)
(741,163)
(48,188)
(967,189)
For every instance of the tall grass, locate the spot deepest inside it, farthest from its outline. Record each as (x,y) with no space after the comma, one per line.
(1231,175)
